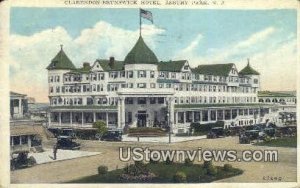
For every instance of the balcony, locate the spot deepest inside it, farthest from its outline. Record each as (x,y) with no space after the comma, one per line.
(146,91)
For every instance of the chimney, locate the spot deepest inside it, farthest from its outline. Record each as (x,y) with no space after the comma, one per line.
(111,62)
(86,65)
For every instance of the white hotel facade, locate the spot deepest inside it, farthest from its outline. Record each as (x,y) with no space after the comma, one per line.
(142,91)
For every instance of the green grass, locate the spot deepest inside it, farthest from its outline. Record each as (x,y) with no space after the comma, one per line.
(195,174)
(280,142)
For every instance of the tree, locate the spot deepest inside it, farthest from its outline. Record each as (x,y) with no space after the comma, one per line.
(100,126)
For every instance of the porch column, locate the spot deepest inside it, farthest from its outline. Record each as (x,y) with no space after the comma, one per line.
(231,114)
(171,112)
(59,118)
(20,107)
(184,116)
(223,114)
(71,118)
(29,141)
(82,119)
(208,115)
(94,116)
(119,113)
(49,119)
(122,120)
(106,119)
(176,118)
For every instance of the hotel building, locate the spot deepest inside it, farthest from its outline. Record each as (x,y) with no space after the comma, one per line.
(141,91)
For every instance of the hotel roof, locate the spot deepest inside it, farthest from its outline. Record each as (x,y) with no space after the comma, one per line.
(61,62)
(215,69)
(140,54)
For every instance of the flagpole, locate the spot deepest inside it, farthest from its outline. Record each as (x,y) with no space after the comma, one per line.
(140,23)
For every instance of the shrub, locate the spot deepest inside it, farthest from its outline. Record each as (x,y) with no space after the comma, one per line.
(152,161)
(227,167)
(207,164)
(188,162)
(211,170)
(100,126)
(102,170)
(205,128)
(169,161)
(179,177)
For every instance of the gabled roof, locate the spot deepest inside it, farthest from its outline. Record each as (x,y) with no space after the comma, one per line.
(215,69)
(116,66)
(140,54)
(248,70)
(171,66)
(14,94)
(85,69)
(61,61)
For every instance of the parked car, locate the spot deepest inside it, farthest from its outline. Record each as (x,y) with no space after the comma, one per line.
(20,159)
(270,132)
(66,142)
(252,134)
(112,136)
(216,132)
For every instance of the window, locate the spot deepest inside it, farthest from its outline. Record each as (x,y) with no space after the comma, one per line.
(255,81)
(142,74)
(130,85)
(51,78)
(51,89)
(129,100)
(161,85)
(152,100)
(141,85)
(142,100)
(130,74)
(152,74)
(173,75)
(152,85)
(57,89)
(160,100)
(186,67)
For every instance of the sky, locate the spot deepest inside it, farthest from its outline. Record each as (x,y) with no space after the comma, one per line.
(267,37)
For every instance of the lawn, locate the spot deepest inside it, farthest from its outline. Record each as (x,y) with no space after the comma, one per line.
(195,173)
(280,142)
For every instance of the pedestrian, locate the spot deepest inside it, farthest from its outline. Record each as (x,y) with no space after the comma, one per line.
(54,151)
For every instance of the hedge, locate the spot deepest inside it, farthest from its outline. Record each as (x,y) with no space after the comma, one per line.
(202,129)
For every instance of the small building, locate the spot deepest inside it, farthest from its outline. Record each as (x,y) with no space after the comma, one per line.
(24,138)
(18,105)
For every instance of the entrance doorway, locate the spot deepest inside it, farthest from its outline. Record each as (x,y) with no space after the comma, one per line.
(141,119)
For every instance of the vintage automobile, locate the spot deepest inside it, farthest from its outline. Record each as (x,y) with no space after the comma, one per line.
(20,159)
(112,136)
(216,132)
(286,131)
(270,132)
(66,142)
(252,134)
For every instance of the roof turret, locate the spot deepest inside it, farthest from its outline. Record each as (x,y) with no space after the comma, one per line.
(248,70)
(140,54)
(61,61)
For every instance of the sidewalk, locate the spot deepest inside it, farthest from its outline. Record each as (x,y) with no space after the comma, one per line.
(164,139)
(47,155)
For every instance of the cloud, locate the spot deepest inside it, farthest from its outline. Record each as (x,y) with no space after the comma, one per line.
(30,55)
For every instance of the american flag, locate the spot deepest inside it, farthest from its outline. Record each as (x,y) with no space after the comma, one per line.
(146,14)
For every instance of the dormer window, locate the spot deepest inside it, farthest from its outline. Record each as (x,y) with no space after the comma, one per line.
(186,67)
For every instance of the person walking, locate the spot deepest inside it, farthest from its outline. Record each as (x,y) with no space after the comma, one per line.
(54,151)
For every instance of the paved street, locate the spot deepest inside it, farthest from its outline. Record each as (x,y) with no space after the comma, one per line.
(47,155)
(67,170)
(163,139)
